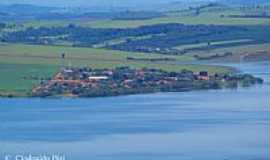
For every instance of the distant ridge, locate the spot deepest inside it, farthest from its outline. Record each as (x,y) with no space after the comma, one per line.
(25,8)
(245,2)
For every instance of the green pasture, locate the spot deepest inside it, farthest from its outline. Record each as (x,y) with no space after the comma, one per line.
(207,17)
(15,77)
(237,50)
(201,45)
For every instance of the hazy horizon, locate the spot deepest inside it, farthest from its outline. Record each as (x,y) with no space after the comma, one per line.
(92,2)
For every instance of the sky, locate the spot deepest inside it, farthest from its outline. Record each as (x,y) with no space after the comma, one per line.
(87,2)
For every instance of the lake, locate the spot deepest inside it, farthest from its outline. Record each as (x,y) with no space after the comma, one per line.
(197,125)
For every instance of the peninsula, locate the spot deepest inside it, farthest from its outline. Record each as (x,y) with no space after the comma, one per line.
(87,82)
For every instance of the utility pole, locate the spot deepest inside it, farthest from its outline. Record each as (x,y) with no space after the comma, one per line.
(63,56)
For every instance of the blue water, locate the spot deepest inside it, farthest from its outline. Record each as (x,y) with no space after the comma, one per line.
(199,125)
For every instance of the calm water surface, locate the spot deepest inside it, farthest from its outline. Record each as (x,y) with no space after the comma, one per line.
(201,125)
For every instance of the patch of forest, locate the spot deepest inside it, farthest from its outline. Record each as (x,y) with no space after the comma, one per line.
(161,38)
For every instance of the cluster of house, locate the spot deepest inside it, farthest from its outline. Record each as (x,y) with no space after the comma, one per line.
(73,78)
(87,82)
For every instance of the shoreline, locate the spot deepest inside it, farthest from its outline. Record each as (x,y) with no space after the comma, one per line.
(233,81)
(230,66)
(123,95)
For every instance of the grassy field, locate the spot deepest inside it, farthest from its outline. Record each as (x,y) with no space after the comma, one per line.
(207,16)
(201,45)
(19,62)
(237,51)
(202,19)
(14,79)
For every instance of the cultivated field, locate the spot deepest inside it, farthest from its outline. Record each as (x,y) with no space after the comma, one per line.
(210,15)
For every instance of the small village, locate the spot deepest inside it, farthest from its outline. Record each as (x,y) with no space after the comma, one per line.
(87,82)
